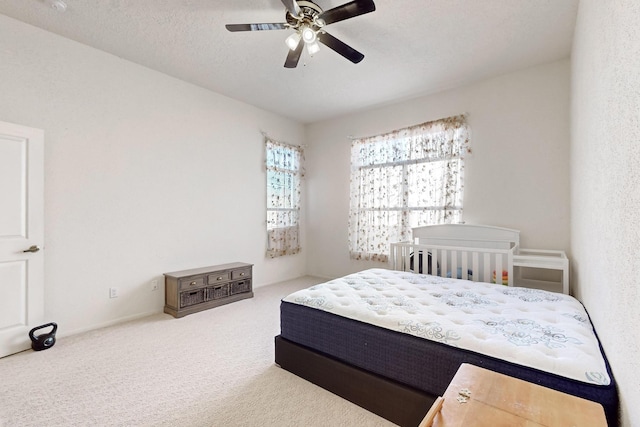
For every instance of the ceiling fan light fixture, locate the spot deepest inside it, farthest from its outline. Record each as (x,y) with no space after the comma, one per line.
(312,48)
(308,35)
(293,40)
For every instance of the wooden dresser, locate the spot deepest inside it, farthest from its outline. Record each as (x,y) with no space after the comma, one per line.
(495,400)
(190,291)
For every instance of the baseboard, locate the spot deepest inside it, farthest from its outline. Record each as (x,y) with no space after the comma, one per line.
(62,333)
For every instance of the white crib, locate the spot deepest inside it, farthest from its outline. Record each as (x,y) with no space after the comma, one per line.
(480,253)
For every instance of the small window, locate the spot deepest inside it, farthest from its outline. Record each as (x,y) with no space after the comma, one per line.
(284,174)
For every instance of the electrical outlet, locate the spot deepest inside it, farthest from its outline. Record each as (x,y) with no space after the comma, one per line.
(113,292)
(154,285)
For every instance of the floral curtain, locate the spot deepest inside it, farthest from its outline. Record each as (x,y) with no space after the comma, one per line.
(284,165)
(403,179)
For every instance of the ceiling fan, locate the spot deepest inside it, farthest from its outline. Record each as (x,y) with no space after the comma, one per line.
(308,20)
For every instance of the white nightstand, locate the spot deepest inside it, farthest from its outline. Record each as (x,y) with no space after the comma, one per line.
(543,259)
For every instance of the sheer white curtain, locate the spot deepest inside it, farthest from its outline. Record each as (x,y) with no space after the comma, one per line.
(403,179)
(284,165)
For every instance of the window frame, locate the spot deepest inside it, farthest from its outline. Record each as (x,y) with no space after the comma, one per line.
(444,142)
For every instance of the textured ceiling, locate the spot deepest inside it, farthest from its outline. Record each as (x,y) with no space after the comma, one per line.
(411,47)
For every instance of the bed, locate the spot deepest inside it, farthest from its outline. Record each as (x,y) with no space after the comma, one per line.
(391,341)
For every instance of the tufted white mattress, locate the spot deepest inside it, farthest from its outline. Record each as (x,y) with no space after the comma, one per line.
(542,330)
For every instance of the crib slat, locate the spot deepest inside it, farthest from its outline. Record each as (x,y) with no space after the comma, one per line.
(434,261)
(444,263)
(465,268)
(407,258)
(392,252)
(510,269)
(393,256)
(454,264)
(475,268)
(487,268)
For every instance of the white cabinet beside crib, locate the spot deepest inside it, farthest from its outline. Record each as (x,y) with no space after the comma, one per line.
(529,267)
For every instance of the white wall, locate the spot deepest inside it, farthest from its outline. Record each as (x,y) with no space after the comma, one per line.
(517,176)
(605,183)
(144,174)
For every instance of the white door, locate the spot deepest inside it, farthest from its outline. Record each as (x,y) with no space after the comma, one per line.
(21,229)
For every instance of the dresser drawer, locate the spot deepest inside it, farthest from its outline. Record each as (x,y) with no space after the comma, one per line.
(191,283)
(216,292)
(241,274)
(191,298)
(240,286)
(218,277)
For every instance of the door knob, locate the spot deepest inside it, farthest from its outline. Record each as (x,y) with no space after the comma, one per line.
(33,248)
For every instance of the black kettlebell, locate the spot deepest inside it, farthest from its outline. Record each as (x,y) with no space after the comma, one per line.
(43,341)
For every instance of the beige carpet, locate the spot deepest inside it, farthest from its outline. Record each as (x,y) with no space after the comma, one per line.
(213,368)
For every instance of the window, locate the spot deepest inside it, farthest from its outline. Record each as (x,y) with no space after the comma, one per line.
(407,178)
(284,173)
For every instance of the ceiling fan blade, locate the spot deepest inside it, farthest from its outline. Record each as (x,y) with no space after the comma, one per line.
(292,7)
(255,27)
(347,10)
(294,56)
(342,48)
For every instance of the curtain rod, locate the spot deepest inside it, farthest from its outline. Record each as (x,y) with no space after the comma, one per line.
(352,138)
(281,142)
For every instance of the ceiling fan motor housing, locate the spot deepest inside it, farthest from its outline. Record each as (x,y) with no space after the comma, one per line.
(308,13)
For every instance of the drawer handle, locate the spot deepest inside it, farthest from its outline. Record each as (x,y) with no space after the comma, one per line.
(241,274)
(193,283)
(219,278)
